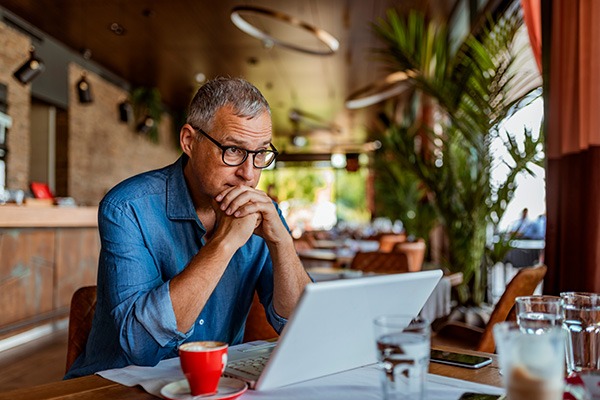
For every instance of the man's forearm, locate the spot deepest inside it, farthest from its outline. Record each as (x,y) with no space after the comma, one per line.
(289,277)
(191,289)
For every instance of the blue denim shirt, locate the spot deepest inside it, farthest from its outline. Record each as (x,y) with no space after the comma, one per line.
(149,232)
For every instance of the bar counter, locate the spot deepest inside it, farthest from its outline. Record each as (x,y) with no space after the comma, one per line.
(47,217)
(46,253)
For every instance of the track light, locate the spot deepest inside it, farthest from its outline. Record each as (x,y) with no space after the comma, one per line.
(83,90)
(30,69)
(125,111)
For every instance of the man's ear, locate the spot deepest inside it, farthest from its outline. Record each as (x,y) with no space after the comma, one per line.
(187,137)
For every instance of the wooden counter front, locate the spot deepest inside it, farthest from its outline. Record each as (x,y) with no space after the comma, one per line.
(46,253)
(47,217)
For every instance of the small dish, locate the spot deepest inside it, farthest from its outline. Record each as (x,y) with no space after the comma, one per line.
(229,389)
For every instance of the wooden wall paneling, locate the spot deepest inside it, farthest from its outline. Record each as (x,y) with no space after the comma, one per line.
(77,251)
(26,274)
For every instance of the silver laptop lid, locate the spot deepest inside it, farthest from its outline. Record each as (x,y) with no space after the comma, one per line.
(331,329)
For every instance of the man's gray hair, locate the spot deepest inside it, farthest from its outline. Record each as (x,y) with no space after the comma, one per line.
(244,98)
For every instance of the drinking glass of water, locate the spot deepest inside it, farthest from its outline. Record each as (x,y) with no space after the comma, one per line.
(582,321)
(403,348)
(537,314)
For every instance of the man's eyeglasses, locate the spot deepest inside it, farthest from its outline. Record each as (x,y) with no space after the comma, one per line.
(234,156)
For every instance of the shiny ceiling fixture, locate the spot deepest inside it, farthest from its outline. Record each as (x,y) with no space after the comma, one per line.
(117,29)
(200,77)
(312,122)
(390,86)
(30,68)
(326,38)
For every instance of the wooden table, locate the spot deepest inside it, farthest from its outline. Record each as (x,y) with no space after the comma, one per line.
(322,257)
(96,387)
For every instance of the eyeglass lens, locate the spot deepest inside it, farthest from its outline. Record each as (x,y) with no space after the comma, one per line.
(234,156)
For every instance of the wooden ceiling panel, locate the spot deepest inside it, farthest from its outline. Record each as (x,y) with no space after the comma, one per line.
(167,42)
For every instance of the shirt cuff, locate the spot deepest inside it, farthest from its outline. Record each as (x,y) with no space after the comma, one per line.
(156,313)
(276,320)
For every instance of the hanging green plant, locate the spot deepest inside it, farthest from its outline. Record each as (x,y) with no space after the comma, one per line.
(148,110)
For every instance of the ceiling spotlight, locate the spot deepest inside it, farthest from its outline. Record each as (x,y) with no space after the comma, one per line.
(84,92)
(30,69)
(145,125)
(117,29)
(200,77)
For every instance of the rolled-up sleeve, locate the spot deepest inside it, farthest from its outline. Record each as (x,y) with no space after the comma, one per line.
(276,320)
(136,292)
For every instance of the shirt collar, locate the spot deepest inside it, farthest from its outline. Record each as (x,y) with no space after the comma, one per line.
(179,200)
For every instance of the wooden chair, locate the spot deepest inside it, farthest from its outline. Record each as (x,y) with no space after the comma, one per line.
(257,326)
(388,241)
(460,334)
(415,252)
(83,306)
(380,262)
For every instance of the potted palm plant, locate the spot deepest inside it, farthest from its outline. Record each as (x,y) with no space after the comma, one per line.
(471,91)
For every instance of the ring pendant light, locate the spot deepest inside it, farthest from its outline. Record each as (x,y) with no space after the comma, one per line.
(326,38)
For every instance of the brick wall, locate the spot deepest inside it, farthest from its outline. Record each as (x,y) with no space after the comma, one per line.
(14,50)
(102,150)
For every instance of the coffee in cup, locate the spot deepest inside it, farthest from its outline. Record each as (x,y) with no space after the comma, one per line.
(203,364)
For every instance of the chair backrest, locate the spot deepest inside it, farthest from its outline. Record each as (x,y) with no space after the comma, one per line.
(415,252)
(388,240)
(523,284)
(257,326)
(83,306)
(381,262)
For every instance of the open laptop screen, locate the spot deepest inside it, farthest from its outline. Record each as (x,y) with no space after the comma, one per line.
(331,329)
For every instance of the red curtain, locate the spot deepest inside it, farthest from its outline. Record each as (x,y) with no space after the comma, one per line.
(532,13)
(573,147)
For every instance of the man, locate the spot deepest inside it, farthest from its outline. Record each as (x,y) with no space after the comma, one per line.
(520,226)
(184,247)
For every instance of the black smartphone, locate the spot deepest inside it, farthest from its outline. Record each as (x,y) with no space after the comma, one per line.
(480,396)
(459,359)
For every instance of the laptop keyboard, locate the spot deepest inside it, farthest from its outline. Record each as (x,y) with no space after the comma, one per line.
(252,366)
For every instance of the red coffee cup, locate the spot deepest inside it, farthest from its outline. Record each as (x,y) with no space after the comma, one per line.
(203,364)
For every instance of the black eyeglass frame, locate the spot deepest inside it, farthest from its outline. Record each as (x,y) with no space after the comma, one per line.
(246,151)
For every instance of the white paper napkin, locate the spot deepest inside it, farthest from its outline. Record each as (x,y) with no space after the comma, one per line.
(360,384)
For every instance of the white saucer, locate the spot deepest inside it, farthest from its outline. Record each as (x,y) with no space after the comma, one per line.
(229,389)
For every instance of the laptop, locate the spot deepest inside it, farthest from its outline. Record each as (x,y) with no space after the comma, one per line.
(331,329)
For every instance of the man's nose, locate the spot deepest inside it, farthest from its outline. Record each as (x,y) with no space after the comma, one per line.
(246,171)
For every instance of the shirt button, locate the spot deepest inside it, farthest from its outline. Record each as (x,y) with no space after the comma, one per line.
(201,322)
